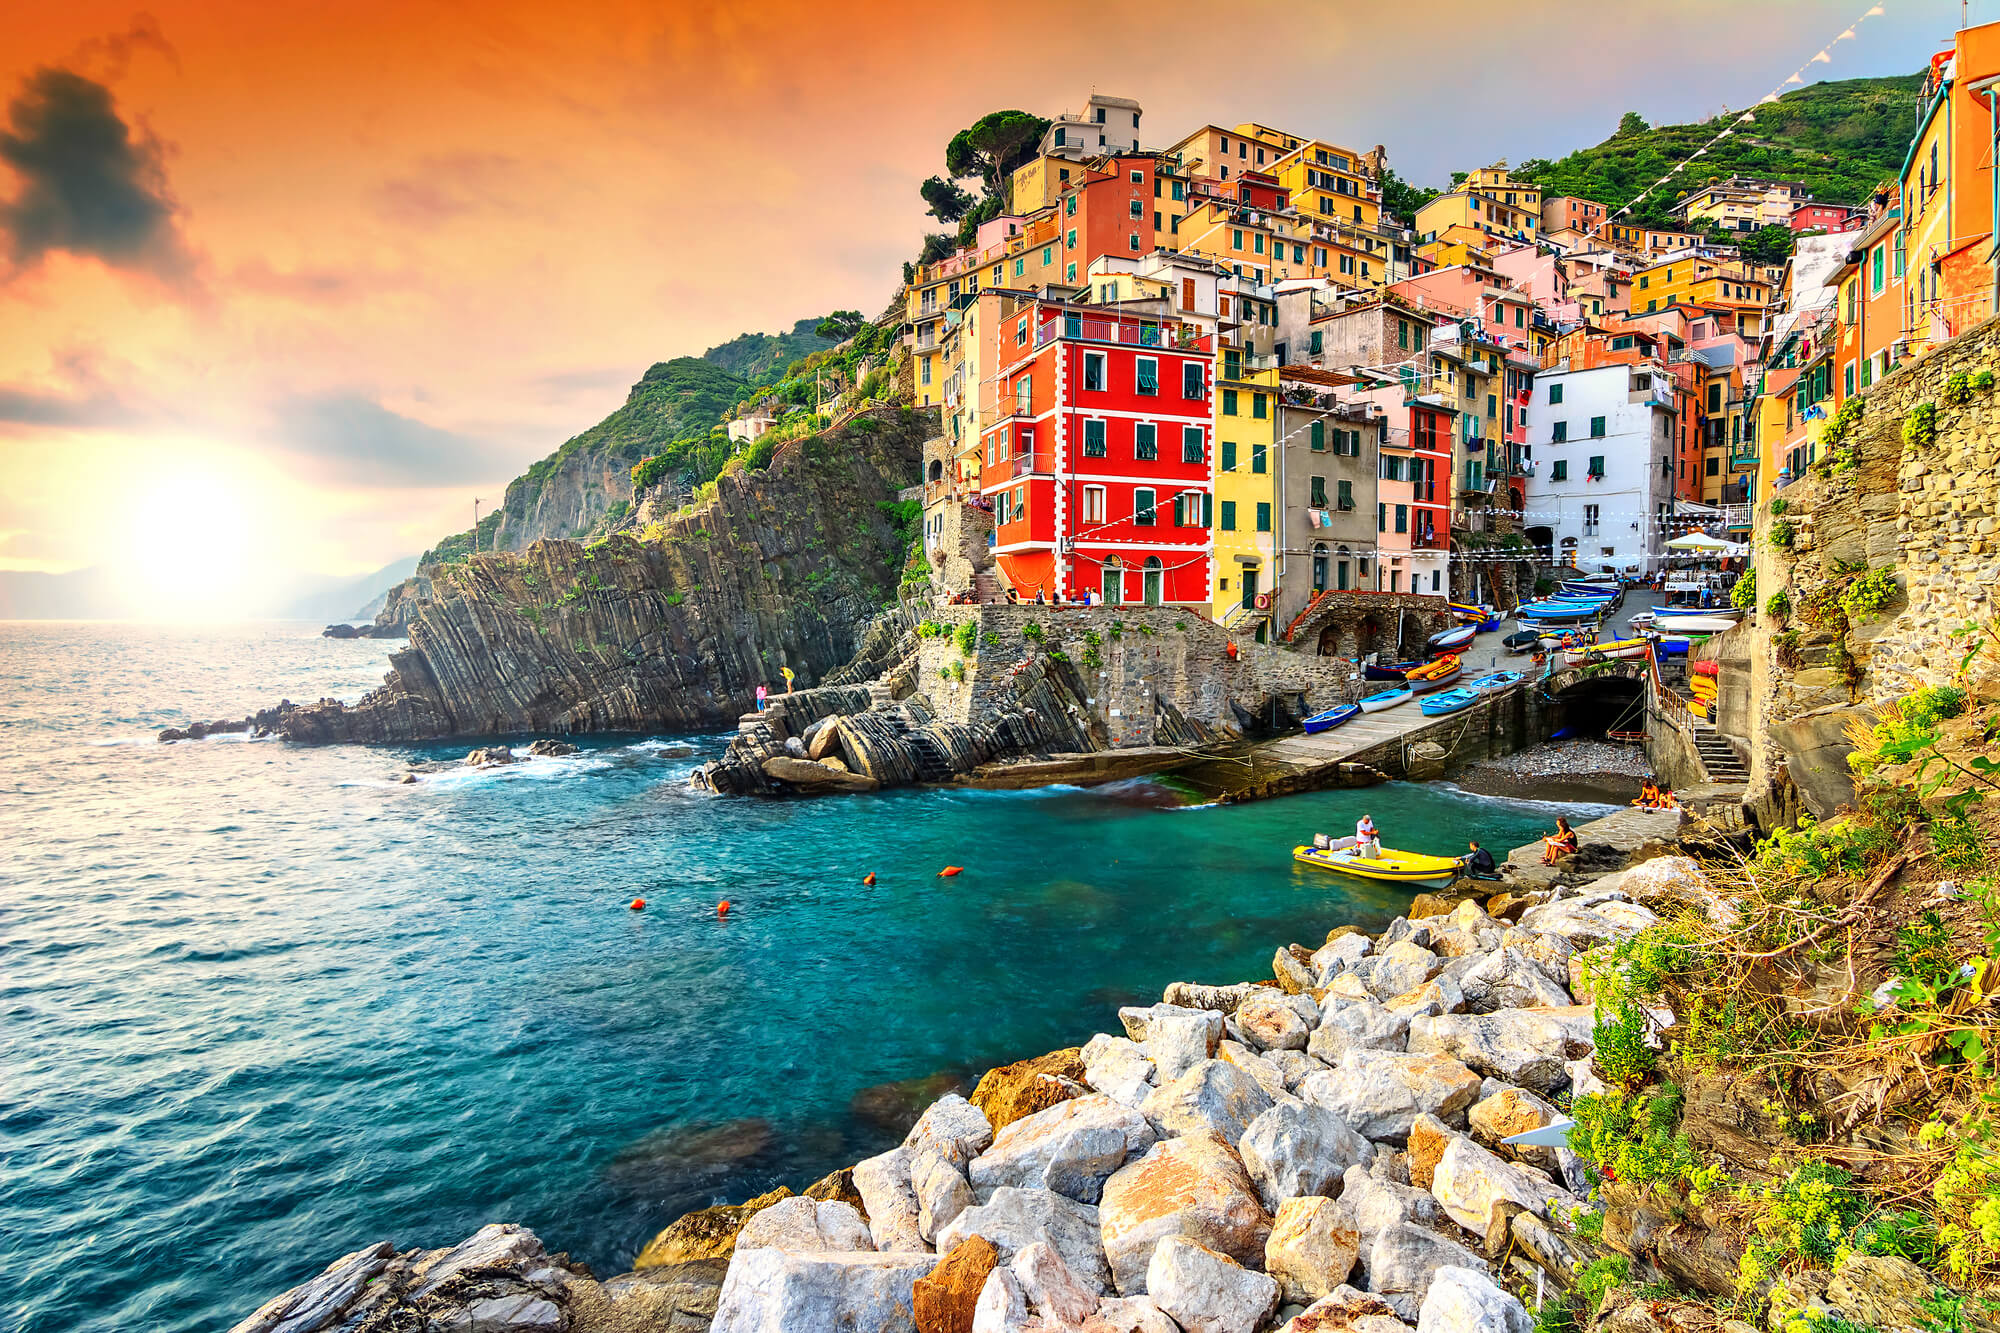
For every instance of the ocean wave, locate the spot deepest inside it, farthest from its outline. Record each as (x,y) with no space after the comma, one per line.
(1588,809)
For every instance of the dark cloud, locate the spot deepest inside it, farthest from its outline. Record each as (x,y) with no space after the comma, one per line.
(85,183)
(361,443)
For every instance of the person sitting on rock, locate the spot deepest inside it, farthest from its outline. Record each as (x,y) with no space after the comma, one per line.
(1480,864)
(1649,795)
(1559,844)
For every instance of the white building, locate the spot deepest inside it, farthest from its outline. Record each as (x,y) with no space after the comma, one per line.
(1105,125)
(1602,477)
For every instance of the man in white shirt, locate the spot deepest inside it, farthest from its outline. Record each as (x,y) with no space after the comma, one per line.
(1367,842)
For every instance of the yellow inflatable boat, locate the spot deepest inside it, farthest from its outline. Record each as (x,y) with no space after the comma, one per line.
(1388,867)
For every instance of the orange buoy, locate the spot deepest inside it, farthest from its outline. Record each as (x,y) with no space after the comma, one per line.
(870,878)
(722,908)
(637,904)
(949,871)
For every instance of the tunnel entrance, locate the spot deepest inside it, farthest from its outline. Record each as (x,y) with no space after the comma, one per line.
(1597,704)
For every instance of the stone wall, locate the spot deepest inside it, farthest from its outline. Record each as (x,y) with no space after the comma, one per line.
(1927,512)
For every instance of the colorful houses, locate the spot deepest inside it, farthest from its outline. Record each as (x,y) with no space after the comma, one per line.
(1950,200)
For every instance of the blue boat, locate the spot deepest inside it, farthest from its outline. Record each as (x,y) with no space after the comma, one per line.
(1451,701)
(1494,683)
(1386,670)
(1331,718)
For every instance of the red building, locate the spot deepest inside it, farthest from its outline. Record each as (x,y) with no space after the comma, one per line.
(1818,217)
(1097,461)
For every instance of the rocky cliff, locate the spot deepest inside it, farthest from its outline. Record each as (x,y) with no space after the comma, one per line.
(780,569)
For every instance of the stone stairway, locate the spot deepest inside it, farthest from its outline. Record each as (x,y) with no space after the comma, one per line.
(988,587)
(1719,757)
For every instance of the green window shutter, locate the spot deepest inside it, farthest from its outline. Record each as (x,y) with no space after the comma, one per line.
(1263,516)
(1258,457)
(1180,511)
(1317,341)
(1257,406)
(1229,515)
(1228,456)
(1319,492)
(1319,436)
(1347,495)
(1229,402)
(1381,518)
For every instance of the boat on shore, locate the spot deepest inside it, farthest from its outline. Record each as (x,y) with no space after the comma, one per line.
(1434,676)
(1450,701)
(1385,867)
(1375,703)
(1521,641)
(1452,639)
(1496,682)
(1386,670)
(1604,652)
(1331,718)
(1701,624)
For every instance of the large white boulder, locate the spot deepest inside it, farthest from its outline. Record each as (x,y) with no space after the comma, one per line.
(1397,970)
(1138,1019)
(1377,1204)
(941,1189)
(1213,1095)
(1403,1259)
(1508,979)
(1270,1022)
(1297,1148)
(1176,1043)
(1463,1300)
(1339,954)
(1052,1290)
(805,1225)
(1381,1093)
(1070,1148)
(1129,1314)
(1345,1310)
(954,1128)
(1529,1048)
(1589,921)
(1207,1292)
(1470,1182)
(1119,1068)
(1013,1219)
(887,1192)
(1357,1025)
(769,1290)
(1313,1247)
(1193,1186)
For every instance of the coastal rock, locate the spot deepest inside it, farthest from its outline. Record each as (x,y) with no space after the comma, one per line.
(1176,1043)
(1313,1247)
(1213,1095)
(891,1201)
(1357,1025)
(1119,1068)
(1470,1183)
(1014,1219)
(1222,999)
(1193,1186)
(1381,1093)
(679,1298)
(498,1245)
(1439,995)
(941,1189)
(1129,1314)
(314,1305)
(1589,921)
(1405,931)
(957,1129)
(1528,1048)
(1377,1204)
(1295,975)
(492,757)
(1071,1148)
(943,1299)
(1010,1092)
(1429,1136)
(1882,1291)
(1207,1292)
(1507,979)
(550,748)
(1511,1111)
(1672,880)
(1137,1020)
(778,1291)
(1268,1075)
(1404,1260)
(1396,970)
(1300,1149)
(1270,1023)
(1345,1310)
(1464,1300)
(1050,1287)
(837,1187)
(802,1224)
(1338,955)
(1295,1066)
(814,778)
(1003,1306)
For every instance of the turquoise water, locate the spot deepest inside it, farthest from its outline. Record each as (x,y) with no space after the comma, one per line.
(265,1005)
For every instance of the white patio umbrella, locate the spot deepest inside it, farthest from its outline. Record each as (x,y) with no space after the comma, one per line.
(1699,541)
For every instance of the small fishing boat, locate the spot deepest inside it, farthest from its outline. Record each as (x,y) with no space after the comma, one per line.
(1432,684)
(1496,682)
(1641,620)
(1375,703)
(1702,624)
(1387,866)
(1452,639)
(1451,701)
(1386,670)
(1330,719)
(1601,652)
(1537,611)
(1522,641)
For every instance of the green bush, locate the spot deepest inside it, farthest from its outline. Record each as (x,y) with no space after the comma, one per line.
(1779,603)
(1982,381)
(1920,426)
(758,455)
(1783,534)
(1743,596)
(1957,389)
(1032,632)
(1815,850)
(1638,1139)
(1623,1057)
(1779,506)
(1865,598)
(965,638)
(650,472)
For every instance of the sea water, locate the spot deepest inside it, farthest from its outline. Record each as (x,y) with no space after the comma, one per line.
(267,1004)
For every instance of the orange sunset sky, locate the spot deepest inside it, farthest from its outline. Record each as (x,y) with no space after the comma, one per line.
(284,286)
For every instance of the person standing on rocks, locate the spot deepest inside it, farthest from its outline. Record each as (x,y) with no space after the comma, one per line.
(763,693)
(786,672)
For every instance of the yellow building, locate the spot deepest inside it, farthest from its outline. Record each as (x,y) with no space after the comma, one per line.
(1039,183)
(1246,488)
(1458,244)
(1326,181)
(1488,200)
(1697,281)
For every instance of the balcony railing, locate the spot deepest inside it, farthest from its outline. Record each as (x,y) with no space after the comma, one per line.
(1174,337)
(1024,465)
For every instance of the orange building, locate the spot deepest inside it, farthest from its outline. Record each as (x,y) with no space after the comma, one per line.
(1951,211)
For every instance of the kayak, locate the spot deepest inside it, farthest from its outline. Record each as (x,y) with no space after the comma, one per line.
(1521,642)
(1432,670)
(1330,719)
(1451,701)
(1453,638)
(1375,703)
(1390,867)
(1432,684)
(1495,683)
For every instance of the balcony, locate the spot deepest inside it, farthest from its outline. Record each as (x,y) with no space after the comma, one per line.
(1431,540)
(1176,337)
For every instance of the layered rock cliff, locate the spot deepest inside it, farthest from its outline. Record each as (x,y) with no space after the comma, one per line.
(780,569)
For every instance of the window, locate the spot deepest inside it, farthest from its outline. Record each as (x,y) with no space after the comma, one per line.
(1559,470)
(1093,439)
(1093,504)
(1232,360)
(1381,518)
(1597,428)
(1317,342)
(1492,405)
(927,370)
(1715,397)
(1263,516)
(1132,242)
(1236,238)
(1138,178)
(1072,238)
(1590,520)
(1257,243)
(1142,507)
(1555,394)
(1597,467)
(1020,266)
(1345,495)
(1070,274)
(1145,441)
(1714,467)
(1069,209)
(1191,444)
(1228,523)
(1257,406)
(1319,437)
(1048,254)
(1875,270)
(1559,432)
(1318,500)
(1147,378)
(1402,518)
(1192,380)
(1258,457)
(1229,402)
(1093,372)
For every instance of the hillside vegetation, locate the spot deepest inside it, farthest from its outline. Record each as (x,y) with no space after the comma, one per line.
(757,356)
(1840,139)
